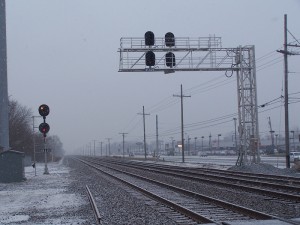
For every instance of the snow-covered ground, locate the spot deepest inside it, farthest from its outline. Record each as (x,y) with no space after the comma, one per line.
(42,199)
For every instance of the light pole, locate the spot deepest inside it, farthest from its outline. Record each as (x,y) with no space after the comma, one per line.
(123,135)
(209,142)
(219,141)
(195,145)
(202,143)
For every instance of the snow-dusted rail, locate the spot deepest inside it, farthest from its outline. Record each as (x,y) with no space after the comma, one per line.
(93,205)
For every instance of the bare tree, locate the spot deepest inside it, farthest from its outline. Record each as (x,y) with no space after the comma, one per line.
(56,147)
(20,132)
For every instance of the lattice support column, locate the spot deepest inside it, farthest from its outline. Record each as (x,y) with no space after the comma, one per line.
(247,107)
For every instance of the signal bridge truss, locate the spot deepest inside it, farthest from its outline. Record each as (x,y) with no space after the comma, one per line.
(206,54)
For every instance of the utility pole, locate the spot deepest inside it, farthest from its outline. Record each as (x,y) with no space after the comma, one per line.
(156,136)
(101,147)
(108,139)
(285,53)
(209,143)
(195,145)
(286,97)
(145,148)
(219,141)
(123,134)
(276,136)
(172,145)
(202,144)
(4,127)
(94,147)
(182,128)
(172,139)
(90,148)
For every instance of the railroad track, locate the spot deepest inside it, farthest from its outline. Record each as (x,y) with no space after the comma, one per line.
(277,190)
(278,179)
(199,208)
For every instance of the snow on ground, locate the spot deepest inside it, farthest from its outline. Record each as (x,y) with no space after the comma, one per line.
(41,199)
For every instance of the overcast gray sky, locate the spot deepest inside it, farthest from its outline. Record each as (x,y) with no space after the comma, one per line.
(64,53)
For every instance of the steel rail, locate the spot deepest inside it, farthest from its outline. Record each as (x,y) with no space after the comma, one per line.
(93,205)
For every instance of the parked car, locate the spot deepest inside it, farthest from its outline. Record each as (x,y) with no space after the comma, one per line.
(294,156)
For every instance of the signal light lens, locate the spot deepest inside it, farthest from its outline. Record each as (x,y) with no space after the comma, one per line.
(169,39)
(149,38)
(44,110)
(170,59)
(44,128)
(150,58)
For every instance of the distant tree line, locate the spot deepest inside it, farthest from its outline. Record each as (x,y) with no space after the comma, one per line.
(22,136)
